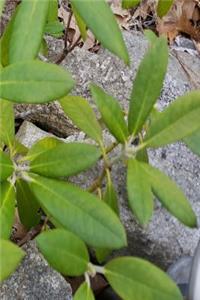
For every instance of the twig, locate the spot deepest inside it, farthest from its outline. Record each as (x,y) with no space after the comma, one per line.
(107,166)
(30,235)
(111,147)
(97,182)
(67,29)
(68,49)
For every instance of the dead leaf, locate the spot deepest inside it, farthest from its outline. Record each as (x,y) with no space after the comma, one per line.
(184,17)
(19,230)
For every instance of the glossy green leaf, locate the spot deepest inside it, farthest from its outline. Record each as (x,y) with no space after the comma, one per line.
(84,292)
(140,196)
(34,82)
(98,17)
(193,142)
(64,251)
(136,278)
(28,29)
(6,166)
(82,115)
(130,3)
(80,212)
(176,122)
(111,112)
(147,84)
(12,255)
(170,195)
(42,146)
(163,7)
(7,123)
(65,160)
(52,11)
(27,205)
(54,27)
(81,24)
(7,209)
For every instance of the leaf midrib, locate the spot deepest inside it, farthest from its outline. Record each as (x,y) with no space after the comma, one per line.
(124,278)
(171,125)
(73,205)
(27,81)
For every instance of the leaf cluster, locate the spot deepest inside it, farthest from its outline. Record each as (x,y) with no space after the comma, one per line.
(36,180)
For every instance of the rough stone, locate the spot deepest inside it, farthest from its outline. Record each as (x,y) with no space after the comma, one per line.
(35,280)
(165,239)
(28,134)
(109,72)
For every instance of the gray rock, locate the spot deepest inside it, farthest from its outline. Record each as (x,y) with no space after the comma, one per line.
(165,239)
(110,72)
(35,280)
(28,134)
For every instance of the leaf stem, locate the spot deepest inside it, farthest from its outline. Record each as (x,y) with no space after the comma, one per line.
(97,182)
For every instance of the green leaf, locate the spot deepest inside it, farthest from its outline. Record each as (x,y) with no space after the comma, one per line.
(65,160)
(84,292)
(176,122)
(129,3)
(34,82)
(44,48)
(163,7)
(134,277)
(80,212)
(111,112)
(82,115)
(6,166)
(142,155)
(28,28)
(147,84)
(20,148)
(27,205)
(7,209)
(150,35)
(7,123)
(193,142)
(42,146)
(81,24)
(5,39)
(64,251)
(2,2)
(12,255)
(53,11)
(140,196)
(170,195)
(98,17)
(54,27)
(110,198)
(102,254)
